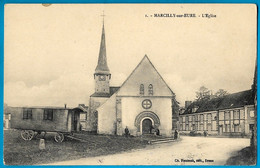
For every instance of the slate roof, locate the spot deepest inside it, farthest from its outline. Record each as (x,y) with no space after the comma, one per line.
(234,100)
(112,90)
(102,59)
(81,107)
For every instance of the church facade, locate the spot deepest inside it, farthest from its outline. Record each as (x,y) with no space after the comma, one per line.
(143,102)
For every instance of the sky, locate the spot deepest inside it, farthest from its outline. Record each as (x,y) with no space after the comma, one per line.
(50,53)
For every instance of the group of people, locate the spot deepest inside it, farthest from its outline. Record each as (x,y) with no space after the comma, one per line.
(152,129)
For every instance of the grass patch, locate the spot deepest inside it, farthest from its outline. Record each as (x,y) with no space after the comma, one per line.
(20,152)
(246,156)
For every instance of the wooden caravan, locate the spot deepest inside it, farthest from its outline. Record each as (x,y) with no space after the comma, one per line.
(34,120)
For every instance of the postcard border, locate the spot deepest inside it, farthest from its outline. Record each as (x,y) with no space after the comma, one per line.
(3,2)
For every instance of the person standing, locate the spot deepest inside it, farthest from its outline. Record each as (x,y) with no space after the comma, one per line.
(205,133)
(175,134)
(127,132)
(151,129)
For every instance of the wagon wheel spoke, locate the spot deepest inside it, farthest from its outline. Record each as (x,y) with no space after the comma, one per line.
(27,135)
(59,137)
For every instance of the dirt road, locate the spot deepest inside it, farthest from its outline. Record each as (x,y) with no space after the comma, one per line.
(188,151)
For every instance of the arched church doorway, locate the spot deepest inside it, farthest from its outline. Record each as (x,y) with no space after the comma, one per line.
(146,126)
(145,120)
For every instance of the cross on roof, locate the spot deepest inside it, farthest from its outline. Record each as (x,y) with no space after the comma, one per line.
(103,15)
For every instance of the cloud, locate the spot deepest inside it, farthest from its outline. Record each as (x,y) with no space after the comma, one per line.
(73,89)
(51,54)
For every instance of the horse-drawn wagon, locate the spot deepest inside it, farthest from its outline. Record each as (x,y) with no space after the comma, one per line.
(33,121)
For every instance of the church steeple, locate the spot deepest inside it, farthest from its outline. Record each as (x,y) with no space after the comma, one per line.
(102,74)
(102,67)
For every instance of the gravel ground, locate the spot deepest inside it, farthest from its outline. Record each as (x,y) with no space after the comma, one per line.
(203,150)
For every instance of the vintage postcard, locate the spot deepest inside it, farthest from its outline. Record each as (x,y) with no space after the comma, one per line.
(130,84)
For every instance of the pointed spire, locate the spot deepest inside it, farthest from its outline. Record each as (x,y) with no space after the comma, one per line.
(102,59)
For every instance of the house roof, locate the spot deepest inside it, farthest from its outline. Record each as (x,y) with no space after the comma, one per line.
(112,90)
(82,108)
(234,100)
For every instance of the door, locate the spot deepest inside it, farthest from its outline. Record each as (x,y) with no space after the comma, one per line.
(220,129)
(147,126)
(251,127)
(209,127)
(74,121)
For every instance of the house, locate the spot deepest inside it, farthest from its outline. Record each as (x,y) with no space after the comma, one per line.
(143,102)
(83,115)
(231,115)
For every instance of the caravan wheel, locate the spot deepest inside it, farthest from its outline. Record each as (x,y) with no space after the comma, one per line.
(27,135)
(59,137)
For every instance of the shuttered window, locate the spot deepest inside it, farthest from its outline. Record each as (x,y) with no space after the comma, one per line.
(227,115)
(201,118)
(48,114)
(236,118)
(236,115)
(209,118)
(27,113)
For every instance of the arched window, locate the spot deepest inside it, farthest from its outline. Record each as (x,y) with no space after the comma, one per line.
(141,89)
(150,89)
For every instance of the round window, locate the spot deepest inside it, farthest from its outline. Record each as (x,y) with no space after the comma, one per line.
(147,104)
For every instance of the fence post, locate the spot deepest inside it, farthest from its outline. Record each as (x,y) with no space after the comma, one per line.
(42,144)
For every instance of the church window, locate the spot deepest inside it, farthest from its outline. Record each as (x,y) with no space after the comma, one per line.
(141,89)
(150,89)
(147,104)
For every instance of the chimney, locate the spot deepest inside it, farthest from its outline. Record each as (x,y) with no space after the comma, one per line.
(65,106)
(187,104)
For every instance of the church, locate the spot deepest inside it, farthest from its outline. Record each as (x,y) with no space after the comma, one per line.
(143,102)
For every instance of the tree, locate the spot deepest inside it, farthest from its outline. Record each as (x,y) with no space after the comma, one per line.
(203,93)
(221,93)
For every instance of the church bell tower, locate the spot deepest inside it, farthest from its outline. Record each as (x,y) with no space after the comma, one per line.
(102,74)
